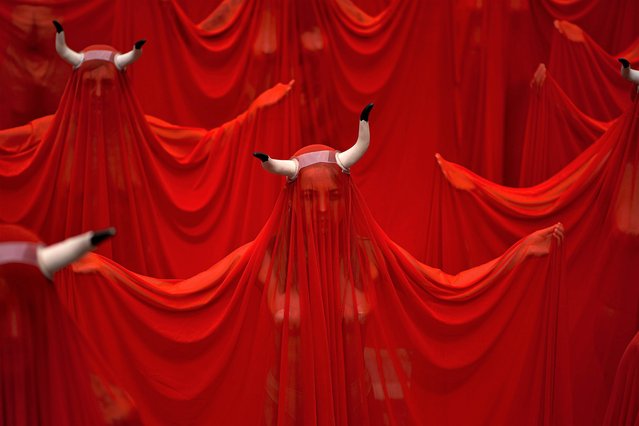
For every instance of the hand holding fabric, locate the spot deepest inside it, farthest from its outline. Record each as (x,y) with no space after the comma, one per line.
(539,242)
(273,95)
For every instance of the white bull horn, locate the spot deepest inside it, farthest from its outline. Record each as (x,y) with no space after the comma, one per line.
(123,60)
(352,155)
(627,72)
(65,52)
(56,256)
(288,168)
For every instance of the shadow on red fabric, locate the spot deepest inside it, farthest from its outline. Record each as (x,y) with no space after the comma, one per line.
(50,375)
(623,408)
(99,161)
(556,130)
(596,196)
(322,319)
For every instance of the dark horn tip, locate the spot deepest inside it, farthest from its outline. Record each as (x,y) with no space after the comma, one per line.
(140,43)
(365,112)
(624,62)
(58,27)
(101,235)
(263,157)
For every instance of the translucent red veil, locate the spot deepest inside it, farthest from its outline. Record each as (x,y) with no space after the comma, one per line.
(100,162)
(323,320)
(49,373)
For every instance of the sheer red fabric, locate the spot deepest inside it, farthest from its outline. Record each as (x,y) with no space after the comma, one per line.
(607,22)
(459,95)
(596,197)
(32,76)
(588,74)
(442,82)
(324,320)
(50,376)
(623,408)
(99,162)
(556,130)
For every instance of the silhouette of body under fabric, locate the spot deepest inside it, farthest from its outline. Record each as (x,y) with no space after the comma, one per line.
(100,161)
(322,320)
(49,375)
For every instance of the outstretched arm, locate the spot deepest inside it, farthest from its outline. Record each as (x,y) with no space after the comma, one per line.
(472,280)
(536,244)
(539,242)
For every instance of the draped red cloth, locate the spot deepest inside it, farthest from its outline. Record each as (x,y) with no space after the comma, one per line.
(324,320)
(99,162)
(32,75)
(596,197)
(623,408)
(606,22)
(459,96)
(588,74)
(49,373)
(441,82)
(556,130)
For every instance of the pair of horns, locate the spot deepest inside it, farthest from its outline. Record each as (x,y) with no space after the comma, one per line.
(627,72)
(345,160)
(121,60)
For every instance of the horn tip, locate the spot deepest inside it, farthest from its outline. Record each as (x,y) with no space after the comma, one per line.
(261,156)
(58,26)
(101,235)
(366,112)
(140,43)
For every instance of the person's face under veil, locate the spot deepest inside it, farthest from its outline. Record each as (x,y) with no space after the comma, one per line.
(98,79)
(101,123)
(98,92)
(318,275)
(321,198)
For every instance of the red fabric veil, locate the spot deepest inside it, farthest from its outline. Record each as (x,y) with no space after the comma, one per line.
(324,320)
(49,375)
(556,130)
(623,408)
(99,162)
(588,74)
(596,196)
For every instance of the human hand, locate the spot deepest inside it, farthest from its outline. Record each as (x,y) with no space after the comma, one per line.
(538,243)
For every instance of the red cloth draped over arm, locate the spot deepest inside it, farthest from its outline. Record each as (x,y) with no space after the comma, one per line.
(323,320)
(595,196)
(556,130)
(101,162)
(588,74)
